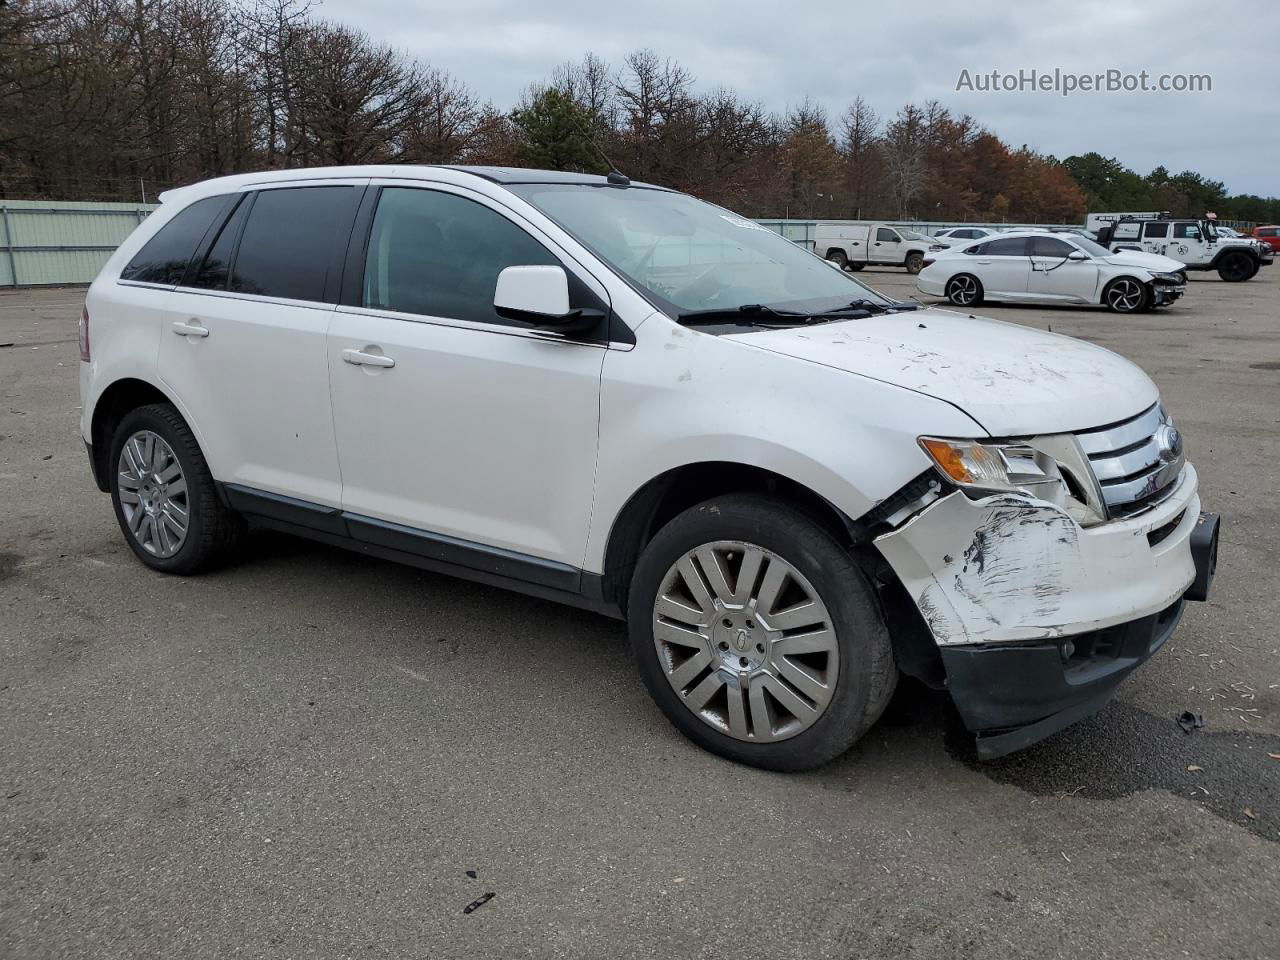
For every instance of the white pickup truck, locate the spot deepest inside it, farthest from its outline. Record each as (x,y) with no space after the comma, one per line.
(852,245)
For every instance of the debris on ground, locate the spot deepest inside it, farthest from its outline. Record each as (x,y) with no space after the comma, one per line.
(477,903)
(1189,721)
(471,874)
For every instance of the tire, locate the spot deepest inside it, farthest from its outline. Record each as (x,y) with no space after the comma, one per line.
(855,267)
(914,263)
(836,693)
(1126,295)
(838,258)
(1237,267)
(964,290)
(163,455)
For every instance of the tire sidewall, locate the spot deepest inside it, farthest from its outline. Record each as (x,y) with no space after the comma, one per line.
(914,263)
(149,418)
(1246,274)
(832,573)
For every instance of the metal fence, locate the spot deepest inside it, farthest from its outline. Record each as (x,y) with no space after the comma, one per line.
(49,242)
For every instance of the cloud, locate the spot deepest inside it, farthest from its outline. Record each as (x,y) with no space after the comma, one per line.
(781,53)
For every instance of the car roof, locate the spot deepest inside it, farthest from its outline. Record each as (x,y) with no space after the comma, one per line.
(402,171)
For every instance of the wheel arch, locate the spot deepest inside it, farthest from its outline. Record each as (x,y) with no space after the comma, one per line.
(667,495)
(123,395)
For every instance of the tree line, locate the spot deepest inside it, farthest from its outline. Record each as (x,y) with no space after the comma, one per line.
(116,99)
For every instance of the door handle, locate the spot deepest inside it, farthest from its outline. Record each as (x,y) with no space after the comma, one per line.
(985,263)
(361,359)
(190,328)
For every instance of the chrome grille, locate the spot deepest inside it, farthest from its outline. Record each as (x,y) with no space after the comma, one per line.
(1136,461)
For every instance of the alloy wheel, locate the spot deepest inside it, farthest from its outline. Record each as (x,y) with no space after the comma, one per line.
(962,291)
(745,641)
(153,494)
(1125,296)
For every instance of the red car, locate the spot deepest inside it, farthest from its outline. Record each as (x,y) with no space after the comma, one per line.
(1268,235)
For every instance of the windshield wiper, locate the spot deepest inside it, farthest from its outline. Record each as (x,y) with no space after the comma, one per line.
(869,307)
(747,310)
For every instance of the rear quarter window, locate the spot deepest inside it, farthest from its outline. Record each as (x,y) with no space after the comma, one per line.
(164,258)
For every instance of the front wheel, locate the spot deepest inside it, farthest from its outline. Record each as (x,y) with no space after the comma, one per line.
(838,258)
(1236,267)
(855,267)
(915,263)
(1126,295)
(164,496)
(758,635)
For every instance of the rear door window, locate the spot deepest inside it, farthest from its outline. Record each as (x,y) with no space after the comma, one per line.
(164,258)
(1157,230)
(292,242)
(1006,247)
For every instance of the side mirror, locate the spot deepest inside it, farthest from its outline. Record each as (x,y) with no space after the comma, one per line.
(1077,255)
(539,297)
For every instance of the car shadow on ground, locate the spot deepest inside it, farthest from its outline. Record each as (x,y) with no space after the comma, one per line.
(1121,750)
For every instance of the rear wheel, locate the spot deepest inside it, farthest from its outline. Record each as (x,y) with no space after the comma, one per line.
(964,290)
(838,258)
(915,263)
(164,496)
(1235,267)
(758,635)
(1126,295)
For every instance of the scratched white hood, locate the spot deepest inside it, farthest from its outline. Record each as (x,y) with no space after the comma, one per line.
(1012,379)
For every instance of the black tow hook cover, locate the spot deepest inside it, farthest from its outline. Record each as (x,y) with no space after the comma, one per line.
(1204,551)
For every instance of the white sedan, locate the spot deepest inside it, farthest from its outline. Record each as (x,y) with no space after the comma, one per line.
(1035,266)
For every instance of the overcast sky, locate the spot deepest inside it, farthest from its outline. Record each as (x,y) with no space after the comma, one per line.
(781,51)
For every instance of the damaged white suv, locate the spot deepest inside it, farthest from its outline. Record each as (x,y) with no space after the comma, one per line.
(614,395)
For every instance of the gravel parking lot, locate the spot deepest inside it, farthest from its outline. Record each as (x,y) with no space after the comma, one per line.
(314,754)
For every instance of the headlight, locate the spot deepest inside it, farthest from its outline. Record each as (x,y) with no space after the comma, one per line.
(1167,277)
(992,467)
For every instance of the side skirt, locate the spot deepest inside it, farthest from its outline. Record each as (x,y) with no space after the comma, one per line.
(438,553)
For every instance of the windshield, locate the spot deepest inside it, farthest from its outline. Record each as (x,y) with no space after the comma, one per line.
(691,256)
(1088,246)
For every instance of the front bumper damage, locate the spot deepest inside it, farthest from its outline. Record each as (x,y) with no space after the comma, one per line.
(1036,619)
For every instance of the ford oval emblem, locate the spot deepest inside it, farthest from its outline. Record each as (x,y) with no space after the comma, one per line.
(1169,442)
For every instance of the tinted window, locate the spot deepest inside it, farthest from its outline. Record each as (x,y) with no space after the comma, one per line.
(1006,247)
(885,234)
(165,256)
(969,234)
(1186,231)
(290,241)
(214,269)
(1265,232)
(440,255)
(1157,230)
(1050,247)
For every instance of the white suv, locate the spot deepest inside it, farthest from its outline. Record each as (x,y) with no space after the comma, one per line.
(617,396)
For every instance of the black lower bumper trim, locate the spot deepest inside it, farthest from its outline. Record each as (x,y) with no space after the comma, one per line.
(1011,695)
(1204,551)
